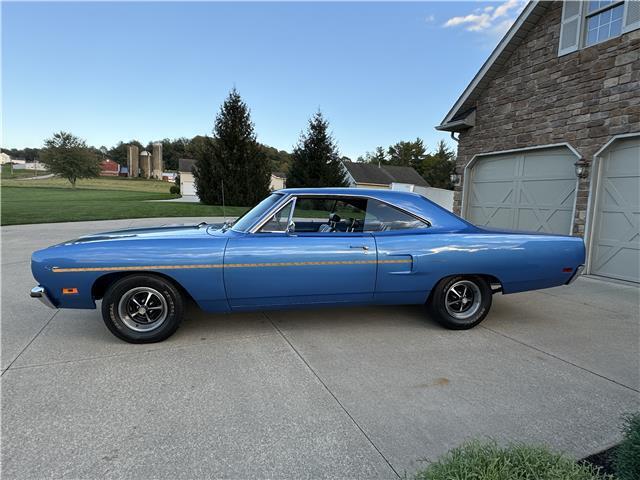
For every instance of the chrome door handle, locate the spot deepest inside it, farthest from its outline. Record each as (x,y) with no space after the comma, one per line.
(363,247)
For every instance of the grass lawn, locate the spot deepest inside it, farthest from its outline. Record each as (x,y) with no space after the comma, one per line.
(100,183)
(53,200)
(6,172)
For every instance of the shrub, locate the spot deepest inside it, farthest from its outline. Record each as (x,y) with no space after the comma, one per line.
(487,461)
(627,456)
(174,189)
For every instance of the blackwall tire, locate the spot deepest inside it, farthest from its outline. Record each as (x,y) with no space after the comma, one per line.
(142,309)
(460,302)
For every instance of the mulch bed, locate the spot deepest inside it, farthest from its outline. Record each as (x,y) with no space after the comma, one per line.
(603,459)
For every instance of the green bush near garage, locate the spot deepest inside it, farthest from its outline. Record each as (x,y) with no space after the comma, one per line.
(627,454)
(487,461)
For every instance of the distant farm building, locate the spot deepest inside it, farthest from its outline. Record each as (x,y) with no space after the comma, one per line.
(109,168)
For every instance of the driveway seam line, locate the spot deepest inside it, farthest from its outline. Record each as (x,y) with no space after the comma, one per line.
(30,342)
(561,359)
(326,387)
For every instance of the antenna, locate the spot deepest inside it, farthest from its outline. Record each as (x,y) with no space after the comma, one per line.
(224,213)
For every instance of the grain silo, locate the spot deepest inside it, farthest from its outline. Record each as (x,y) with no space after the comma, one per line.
(156,161)
(132,160)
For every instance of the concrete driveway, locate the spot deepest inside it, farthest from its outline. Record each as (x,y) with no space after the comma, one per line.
(348,393)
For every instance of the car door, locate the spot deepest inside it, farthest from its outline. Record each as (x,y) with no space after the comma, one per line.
(403,242)
(273,267)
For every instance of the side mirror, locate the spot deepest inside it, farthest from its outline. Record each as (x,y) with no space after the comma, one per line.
(291,228)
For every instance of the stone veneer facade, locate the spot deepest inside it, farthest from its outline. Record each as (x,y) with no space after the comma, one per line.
(583,98)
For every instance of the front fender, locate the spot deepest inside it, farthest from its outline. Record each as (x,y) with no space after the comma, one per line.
(195,264)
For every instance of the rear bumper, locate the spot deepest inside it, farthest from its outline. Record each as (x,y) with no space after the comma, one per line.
(41,294)
(575,275)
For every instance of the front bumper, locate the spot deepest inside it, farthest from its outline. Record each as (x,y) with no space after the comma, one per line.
(575,275)
(41,294)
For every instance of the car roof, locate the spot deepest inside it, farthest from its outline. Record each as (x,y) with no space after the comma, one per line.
(409,201)
(383,194)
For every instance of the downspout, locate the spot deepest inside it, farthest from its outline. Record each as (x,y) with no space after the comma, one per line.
(453,136)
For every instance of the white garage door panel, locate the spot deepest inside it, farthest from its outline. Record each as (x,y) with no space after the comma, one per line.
(188,188)
(502,167)
(616,240)
(532,190)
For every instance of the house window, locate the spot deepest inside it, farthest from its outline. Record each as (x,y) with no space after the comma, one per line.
(604,20)
(587,23)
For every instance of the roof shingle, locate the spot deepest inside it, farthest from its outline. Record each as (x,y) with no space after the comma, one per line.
(384,174)
(186,164)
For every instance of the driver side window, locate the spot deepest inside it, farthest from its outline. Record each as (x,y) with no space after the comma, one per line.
(315,214)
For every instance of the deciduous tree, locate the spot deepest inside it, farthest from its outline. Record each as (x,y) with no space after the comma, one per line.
(119,153)
(68,156)
(377,157)
(407,154)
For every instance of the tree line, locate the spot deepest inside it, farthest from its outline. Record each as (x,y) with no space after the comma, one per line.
(232,166)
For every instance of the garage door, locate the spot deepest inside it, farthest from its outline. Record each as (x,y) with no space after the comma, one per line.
(533,190)
(188,188)
(616,234)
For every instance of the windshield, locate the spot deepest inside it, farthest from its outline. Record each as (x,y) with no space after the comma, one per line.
(249,218)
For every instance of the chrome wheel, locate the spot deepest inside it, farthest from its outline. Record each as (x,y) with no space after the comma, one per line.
(143,309)
(463,299)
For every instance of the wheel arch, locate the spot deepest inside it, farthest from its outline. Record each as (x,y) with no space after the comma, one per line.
(103,282)
(494,282)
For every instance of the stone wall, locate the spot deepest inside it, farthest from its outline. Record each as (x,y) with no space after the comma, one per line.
(583,98)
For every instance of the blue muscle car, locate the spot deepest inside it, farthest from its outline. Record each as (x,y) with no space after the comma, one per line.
(303,247)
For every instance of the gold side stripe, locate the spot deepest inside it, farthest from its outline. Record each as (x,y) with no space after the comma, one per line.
(228,265)
(139,267)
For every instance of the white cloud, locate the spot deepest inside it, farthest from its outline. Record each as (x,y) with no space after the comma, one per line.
(495,20)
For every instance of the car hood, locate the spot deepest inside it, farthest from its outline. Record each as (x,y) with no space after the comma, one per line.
(151,233)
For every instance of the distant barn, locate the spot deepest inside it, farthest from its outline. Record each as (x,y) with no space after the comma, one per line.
(109,168)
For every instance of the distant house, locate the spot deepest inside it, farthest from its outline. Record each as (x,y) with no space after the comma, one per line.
(187,183)
(169,176)
(21,164)
(109,168)
(368,175)
(6,158)
(278,181)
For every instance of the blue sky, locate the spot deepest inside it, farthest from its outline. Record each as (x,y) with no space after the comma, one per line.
(380,72)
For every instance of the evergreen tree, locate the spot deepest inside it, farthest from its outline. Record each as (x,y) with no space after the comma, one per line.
(206,173)
(437,167)
(315,159)
(232,160)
